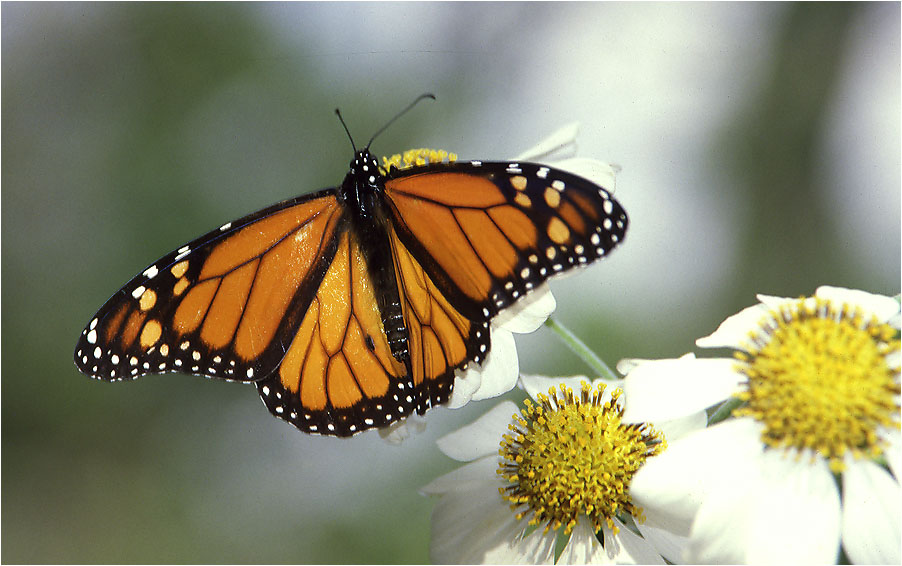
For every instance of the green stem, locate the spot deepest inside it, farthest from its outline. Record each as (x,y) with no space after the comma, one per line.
(580,349)
(724,411)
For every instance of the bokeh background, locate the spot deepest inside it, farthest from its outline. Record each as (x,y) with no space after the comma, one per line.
(760,153)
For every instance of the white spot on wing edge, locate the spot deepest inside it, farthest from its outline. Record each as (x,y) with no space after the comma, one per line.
(225,226)
(151,272)
(138,291)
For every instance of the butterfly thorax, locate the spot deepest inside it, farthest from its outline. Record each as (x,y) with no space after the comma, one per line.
(362,191)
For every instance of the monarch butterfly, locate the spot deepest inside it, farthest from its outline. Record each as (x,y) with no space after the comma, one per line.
(352,307)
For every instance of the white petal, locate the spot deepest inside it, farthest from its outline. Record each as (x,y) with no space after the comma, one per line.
(501,369)
(468,524)
(466,383)
(668,389)
(894,360)
(672,486)
(675,429)
(872,503)
(881,306)
(774,303)
(667,544)
(895,321)
(564,137)
(721,531)
(626,365)
(893,450)
(497,375)
(734,331)
(537,548)
(529,313)
(599,172)
(399,431)
(481,437)
(626,547)
(795,518)
(478,473)
(583,547)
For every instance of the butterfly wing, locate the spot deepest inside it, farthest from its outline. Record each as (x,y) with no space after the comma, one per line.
(488,233)
(221,305)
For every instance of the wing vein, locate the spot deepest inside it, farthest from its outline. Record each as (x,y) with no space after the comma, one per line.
(250,291)
(209,304)
(470,242)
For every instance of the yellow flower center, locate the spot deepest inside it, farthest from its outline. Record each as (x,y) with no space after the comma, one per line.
(819,378)
(570,456)
(416,157)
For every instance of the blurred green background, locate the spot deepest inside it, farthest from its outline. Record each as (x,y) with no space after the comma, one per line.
(760,149)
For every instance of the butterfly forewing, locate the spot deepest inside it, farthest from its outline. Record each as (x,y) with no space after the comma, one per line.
(489,233)
(220,305)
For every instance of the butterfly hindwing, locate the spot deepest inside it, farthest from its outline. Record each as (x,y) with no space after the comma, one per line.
(489,233)
(218,305)
(442,338)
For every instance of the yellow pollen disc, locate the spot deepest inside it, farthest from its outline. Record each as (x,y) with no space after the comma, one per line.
(558,231)
(150,333)
(148,300)
(819,379)
(179,269)
(552,197)
(567,456)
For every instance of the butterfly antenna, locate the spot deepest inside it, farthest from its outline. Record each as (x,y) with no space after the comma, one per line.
(401,113)
(347,131)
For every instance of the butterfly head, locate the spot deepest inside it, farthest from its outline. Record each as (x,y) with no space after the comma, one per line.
(362,184)
(364,170)
(364,167)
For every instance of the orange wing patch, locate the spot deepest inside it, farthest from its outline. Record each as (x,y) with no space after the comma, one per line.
(471,229)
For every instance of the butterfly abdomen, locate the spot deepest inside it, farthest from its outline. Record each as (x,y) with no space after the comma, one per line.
(363,192)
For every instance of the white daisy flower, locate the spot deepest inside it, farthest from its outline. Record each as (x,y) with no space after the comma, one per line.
(809,463)
(558,470)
